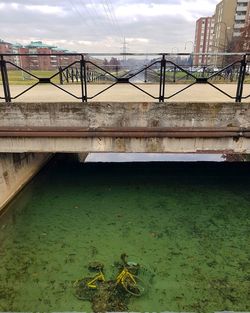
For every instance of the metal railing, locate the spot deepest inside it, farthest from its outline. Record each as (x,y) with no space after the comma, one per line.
(157,70)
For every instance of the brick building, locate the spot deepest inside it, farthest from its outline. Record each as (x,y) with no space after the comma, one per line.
(43,62)
(33,61)
(203,40)
(5,47)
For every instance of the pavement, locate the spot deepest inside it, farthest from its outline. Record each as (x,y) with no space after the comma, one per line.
(125,92)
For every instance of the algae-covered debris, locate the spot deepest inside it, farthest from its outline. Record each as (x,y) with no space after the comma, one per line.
(111,295)
(96,266)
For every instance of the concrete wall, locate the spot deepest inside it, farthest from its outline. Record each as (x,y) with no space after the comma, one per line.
(118,115)
(16,169)
(125,114)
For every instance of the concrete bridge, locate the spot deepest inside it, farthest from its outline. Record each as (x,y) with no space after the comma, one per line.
(125,127)
(31,132)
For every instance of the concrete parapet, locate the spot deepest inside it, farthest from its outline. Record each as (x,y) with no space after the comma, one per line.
(125,114)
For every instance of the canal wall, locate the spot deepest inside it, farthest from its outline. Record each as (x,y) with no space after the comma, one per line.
(16,169)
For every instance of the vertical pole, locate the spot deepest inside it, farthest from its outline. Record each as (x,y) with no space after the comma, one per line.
(76,74)
(241,78)
(203,71)
(145,74)
(162,79)
(83,79)
(161,70)
(67,75)
(174,78)
(4,74)
(61,75)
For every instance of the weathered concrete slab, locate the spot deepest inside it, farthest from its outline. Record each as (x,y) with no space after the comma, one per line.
(156,145)
(125,114)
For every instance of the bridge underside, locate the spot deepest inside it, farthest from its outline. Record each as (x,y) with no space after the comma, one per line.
(125,127)
(156,145)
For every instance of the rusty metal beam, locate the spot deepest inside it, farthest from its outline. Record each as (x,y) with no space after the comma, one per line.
(124,132)
(123,129)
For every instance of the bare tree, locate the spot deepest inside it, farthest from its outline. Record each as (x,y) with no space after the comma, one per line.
(241,43)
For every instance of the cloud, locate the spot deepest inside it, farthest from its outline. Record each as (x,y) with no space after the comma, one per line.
(44,9)
(148,25)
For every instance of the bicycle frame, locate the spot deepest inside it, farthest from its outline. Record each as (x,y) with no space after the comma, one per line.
(98,277)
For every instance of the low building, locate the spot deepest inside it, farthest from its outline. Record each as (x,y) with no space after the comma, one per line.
(36,56)
(5,48)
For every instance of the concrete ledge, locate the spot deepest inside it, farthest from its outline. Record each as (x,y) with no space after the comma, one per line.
(107,144)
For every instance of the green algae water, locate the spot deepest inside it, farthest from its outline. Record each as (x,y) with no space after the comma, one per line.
(187,224)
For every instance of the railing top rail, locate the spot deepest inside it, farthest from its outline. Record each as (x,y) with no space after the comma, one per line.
(40,54)
(168,54)
(127,54)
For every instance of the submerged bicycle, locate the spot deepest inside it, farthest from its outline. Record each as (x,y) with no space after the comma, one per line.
(127,280)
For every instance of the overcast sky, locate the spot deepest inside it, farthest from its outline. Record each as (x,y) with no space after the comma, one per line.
(101,25)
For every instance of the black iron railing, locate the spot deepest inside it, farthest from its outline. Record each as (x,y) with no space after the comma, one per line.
(83,69)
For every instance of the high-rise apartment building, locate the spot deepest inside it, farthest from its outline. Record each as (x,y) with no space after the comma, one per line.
(214,34)
(248,14)
(242,16)
(223,28)
(203,40)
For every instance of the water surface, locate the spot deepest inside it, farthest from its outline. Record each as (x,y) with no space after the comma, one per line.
(188,224)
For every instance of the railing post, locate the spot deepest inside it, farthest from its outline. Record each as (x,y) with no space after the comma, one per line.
(174,78)
(77,74)
(67,75)
(241,78)
(145,74)
(203,71)
(61,75)
(83,78)
(4,74)
(162,79)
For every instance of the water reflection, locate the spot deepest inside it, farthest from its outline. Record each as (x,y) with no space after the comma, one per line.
(153,157)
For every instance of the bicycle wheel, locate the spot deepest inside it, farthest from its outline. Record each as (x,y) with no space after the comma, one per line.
(135,288)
